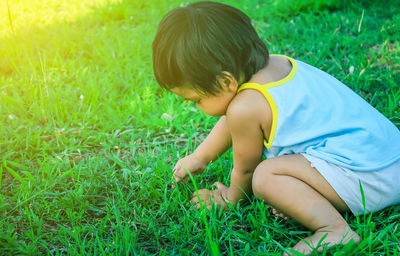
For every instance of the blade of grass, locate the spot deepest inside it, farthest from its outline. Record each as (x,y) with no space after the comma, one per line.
(1,175)
(214,247)
(15,174)
(10,17)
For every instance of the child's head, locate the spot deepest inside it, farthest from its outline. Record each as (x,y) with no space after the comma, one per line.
(198,45)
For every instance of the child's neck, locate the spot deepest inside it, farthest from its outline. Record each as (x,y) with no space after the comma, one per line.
(278,68)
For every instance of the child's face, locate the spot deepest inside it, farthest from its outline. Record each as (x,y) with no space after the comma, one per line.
(213,105)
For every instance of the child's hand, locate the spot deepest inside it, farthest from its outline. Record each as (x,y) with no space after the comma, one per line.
(218,197)
(189,163)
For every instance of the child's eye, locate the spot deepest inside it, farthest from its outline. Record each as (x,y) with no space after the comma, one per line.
(197,101)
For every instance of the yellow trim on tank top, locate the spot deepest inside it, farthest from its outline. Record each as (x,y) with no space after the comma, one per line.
(268,97)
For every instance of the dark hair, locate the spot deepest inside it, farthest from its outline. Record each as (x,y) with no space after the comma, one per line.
(197,43)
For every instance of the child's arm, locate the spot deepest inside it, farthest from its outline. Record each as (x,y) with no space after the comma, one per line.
(215,144)
(247,138)
(247,124)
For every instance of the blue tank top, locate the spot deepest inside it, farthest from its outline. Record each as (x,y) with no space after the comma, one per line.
(316,114)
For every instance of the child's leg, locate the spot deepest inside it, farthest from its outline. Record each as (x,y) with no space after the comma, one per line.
(293,187)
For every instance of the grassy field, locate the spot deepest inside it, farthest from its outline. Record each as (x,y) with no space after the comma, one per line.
(88,139)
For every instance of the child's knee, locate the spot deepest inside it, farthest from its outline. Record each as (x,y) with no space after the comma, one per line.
(262,177)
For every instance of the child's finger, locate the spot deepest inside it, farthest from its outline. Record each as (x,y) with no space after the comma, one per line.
(173,182)
(176,167)
(215,185)
(177,180)
(218,185)
(175,177)
(199,193)
(180,174)
(194,200)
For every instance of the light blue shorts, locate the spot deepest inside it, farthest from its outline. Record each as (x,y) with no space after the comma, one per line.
(381,188)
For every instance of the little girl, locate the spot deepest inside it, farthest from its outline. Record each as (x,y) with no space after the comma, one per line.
(325,146)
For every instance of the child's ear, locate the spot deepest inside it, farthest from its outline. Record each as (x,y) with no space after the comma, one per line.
(227,80)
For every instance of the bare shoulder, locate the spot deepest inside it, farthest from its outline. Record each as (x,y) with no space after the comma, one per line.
(250,108)
(278,68)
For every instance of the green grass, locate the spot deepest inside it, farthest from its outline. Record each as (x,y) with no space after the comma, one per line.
(88,139)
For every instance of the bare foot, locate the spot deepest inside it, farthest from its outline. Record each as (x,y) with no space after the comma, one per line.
(328,236)
(279,214)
